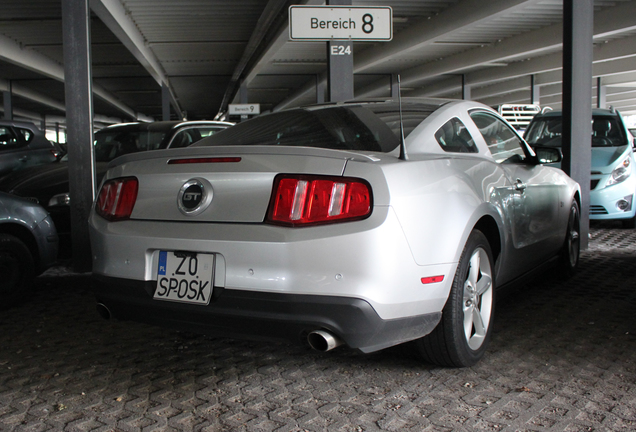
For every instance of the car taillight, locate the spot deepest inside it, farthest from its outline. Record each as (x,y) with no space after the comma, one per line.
(117,198)
(309,200)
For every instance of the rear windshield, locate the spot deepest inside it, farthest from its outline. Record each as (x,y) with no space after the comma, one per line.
(113,143)
(374,127)
(606,132)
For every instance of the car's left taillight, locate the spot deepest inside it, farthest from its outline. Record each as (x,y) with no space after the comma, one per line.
(301,200)
(117,198)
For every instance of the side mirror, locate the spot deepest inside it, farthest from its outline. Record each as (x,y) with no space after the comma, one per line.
(548,155)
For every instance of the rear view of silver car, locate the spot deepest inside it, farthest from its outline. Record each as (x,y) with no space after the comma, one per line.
(322,226)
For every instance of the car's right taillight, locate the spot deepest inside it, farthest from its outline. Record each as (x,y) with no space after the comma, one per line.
(117,198)
(301,200)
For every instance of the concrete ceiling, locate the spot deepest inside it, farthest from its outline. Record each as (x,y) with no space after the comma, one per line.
(202,50)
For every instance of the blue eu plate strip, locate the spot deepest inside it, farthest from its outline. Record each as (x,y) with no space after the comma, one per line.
(163,259)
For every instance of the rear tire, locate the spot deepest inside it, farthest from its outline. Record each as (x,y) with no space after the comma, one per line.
(16,271)
(461,337)
(571,249)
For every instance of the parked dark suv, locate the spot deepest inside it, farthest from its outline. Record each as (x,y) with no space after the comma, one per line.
(48,185)
(23,145)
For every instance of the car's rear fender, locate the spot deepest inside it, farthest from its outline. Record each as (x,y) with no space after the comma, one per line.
(438,201)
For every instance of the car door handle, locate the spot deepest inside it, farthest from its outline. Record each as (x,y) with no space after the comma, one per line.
(520,186)
(23,159)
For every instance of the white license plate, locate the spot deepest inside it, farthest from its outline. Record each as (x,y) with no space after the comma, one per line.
(185,277)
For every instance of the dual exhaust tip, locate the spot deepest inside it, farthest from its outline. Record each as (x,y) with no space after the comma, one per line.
(319,340)
(322,340)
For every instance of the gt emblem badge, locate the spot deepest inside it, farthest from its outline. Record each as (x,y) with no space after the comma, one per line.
(194,197)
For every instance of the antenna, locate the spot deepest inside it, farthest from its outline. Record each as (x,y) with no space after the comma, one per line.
(403,155)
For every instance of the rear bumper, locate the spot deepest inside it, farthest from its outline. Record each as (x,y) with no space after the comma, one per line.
(253,314)
(368,259)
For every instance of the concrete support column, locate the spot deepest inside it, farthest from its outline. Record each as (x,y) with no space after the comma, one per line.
(340,65)
(465,89)
(578,20)
(601,94)
(320,89)
(79,124)
(165,102)
(534,92)
(8,102)
(243,98)
(395,86)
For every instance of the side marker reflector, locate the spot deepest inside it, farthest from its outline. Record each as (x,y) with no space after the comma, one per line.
(432,279)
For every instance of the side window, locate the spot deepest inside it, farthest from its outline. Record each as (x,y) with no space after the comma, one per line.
(8,139)
(181,139)
(26,134)
(503,143)
(454,138)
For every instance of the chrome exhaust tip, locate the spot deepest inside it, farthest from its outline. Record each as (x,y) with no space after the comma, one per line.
(322,340)
(103,311)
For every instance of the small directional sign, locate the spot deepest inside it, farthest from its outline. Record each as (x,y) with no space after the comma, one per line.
(326,23)
(244,109)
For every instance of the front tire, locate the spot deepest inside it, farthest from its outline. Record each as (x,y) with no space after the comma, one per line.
(461,337)
(571,249)
(16,271)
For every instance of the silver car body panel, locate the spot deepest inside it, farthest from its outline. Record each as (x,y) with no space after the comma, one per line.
(423,212)
(26,214)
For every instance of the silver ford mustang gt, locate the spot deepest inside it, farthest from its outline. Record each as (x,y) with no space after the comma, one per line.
(368,224)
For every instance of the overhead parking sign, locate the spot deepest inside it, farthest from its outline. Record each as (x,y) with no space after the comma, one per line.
(244,109)
(326,23)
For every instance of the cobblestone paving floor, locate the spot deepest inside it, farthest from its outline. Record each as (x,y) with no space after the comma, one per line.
(563,358)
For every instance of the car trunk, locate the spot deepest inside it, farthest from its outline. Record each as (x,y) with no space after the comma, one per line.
(241,179)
